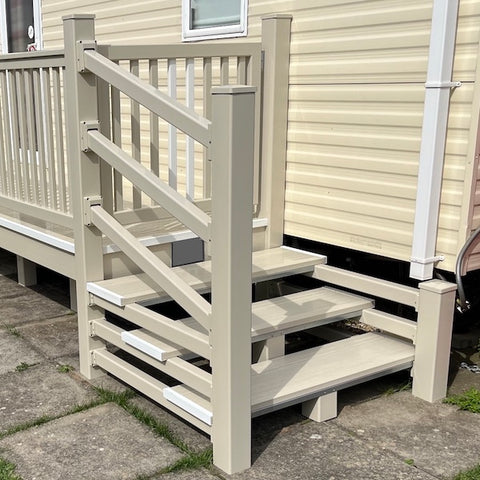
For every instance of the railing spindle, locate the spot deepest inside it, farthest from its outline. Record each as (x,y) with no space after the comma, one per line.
(224,70)
(190,146)
(3,156)
(22,129)
(135,133)
(15,133)
(207,113)
(117,140)
(242,70)
(172,131)
(37,90)
(154,140)
(32,144)
(8,135)
(59,147)
(49,151)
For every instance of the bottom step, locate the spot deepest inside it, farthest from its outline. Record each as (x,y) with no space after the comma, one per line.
(310,373)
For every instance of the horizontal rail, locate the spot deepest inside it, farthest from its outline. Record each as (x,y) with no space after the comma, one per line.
(147,52)
(175,367)
(44,59)
(143,382)
(160,274)
(176,332)
(186,212)
(365,284)
(37,212)
(151,98)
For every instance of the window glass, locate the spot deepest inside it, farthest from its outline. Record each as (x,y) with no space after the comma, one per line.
(207,19)
(20,25)
(213,13)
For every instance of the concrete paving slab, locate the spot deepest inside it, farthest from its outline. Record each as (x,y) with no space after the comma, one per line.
(200,474)
(313,451)
(21,305)
(14,350)
(195,439)
(102,443)
(439,438)
(38,391)
(55,338)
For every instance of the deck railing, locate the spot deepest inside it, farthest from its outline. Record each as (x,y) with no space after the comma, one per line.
(33,171)
(185,73)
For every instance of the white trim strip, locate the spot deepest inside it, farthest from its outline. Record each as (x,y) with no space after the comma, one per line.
(52,240)
(305,252)
(140,344)
(105,294)
(188,405)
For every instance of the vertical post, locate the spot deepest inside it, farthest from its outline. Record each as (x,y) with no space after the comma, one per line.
(81,106)
(104,117)
(433,340)
(26,272)
(233,114)
(276,48)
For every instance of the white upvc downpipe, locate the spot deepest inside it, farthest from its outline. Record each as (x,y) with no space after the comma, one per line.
(434,132)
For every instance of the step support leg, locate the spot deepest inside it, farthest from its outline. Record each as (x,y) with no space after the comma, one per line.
(268,349)
(322,408)
(26,271)
(433,340)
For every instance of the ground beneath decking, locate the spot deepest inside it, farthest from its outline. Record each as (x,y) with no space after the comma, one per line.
(55,425)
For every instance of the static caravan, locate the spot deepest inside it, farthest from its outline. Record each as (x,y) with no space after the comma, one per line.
(185,150)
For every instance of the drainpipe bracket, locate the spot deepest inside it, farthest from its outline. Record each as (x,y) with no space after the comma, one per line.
(443,84)
(427,261)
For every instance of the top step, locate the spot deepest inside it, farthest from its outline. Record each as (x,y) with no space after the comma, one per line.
(267,265)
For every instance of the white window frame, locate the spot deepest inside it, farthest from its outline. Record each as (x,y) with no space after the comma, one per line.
(37,20)
(211,33)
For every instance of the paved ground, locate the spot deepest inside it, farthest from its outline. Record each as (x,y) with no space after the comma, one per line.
(54,425)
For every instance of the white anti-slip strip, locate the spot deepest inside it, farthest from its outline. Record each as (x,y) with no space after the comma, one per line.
(144,346)
(106,294)
(305,252)
(188,405)
(43,237)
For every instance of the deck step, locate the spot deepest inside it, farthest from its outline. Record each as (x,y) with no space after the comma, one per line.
(311,373)
(267,264)
(299,311)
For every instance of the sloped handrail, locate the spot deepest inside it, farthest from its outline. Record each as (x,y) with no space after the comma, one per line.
(151,98)
(186,212)
(163,276)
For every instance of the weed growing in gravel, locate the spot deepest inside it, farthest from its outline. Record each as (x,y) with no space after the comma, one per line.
(24,366)
(64,368)
(473,474)
(410,461)
(13,331)
(469,401)
(7,471)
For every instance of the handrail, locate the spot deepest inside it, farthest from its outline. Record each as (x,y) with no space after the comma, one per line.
(151,98)
(185,211)
(180,50)
(160,274)
(43,59)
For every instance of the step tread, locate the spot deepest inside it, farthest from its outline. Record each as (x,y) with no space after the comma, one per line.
(326,367)
(267,264)
(299,311)
(304,374)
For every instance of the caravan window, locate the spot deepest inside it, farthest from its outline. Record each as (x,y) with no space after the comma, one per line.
(207,19)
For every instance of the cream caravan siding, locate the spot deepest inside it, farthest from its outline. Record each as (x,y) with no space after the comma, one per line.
(357,73)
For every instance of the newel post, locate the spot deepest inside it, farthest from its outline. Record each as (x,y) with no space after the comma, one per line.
(84,171)
(233,114)
(276,48)
(433,339)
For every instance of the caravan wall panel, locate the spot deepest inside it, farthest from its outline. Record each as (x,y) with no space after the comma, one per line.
(357,73)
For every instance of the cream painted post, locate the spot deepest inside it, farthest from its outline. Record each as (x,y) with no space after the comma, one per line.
(233,114)
(26,272)
(433,340)
(81,106)
(104,117)
(276,48)
(322,408)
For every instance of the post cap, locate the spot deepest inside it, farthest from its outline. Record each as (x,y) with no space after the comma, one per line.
(79,16)
(233,89)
